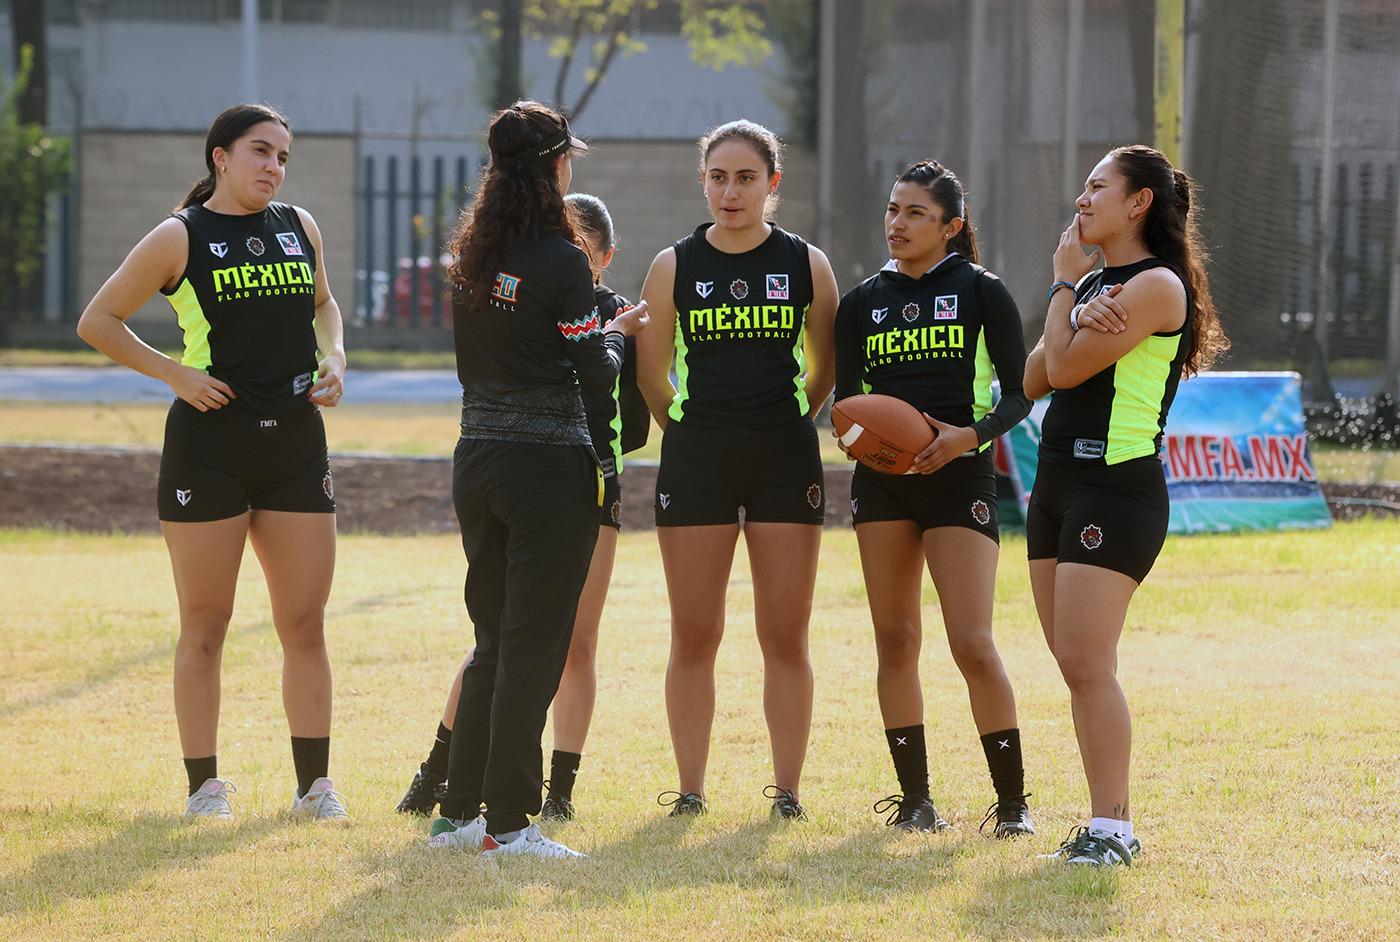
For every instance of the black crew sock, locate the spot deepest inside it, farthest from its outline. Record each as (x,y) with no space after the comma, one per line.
(563,767)
(312,757)
(1003,751)
(437,759)
(201,770)
(910,759)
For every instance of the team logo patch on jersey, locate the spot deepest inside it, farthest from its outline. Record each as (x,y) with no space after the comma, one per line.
(301,383)
(1091,537)
(739,288)
(183,496)
(220,249)
(777,287)
(289,243)
(981,512)
(328,486)
(703,288)
(616,512)
(945,307)
(878,314)
(1090,448)
(911,311)
(664,500)
(814,496)
(255,245)
(506,288)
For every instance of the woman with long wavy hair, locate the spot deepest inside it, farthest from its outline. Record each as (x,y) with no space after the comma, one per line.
(526,483)
(1117,342)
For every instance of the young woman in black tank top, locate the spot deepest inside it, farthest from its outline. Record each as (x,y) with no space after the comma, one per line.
(753,367)
(1098,510)
(245,451)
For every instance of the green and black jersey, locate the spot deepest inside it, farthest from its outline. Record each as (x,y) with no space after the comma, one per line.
(739,332)
(936,342)
(1119,413)
(247,304)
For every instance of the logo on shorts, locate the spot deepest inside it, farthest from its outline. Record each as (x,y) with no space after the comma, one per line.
(267,423)
(616,512)
(911,311)
(328,486)
(878,314)
(980,512)
(220,249)
(703,288)
(506,287)
(945,307)
(814,496)
(255,245)
(664,500)
(855,506)
(777,287)
(1091,537)
(183,497)
(289,243)
(739,288)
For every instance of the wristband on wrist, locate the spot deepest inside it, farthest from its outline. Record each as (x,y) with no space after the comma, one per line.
(1074,317)
(1056,287)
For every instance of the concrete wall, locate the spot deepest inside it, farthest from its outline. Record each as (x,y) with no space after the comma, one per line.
(128,183)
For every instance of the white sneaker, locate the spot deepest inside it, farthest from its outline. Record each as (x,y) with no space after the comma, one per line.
(210,800)
(321,802)
(447,833)
(531,843)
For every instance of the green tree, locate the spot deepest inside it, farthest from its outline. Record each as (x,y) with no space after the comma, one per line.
(33,166)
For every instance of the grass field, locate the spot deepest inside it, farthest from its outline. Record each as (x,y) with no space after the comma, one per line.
(1261,669)
(432,430)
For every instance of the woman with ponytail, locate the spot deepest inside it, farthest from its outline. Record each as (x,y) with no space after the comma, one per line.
(1117,342)
(931,328)
(526,481)
(245,447)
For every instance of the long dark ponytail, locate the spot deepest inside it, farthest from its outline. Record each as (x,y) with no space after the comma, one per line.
(1170,232)
(947,191)
(231,124)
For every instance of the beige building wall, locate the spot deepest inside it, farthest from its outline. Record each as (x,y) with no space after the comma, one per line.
(130,182)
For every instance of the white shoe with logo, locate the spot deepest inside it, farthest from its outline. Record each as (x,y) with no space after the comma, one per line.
(531,843)
(211,800)
(321,802)
(448,833)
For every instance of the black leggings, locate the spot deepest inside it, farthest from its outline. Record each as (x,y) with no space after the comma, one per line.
(529,519)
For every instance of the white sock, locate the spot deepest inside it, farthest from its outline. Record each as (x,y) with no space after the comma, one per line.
(507,837)
(1123,830)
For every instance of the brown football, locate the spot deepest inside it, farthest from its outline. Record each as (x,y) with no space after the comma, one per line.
(881,432)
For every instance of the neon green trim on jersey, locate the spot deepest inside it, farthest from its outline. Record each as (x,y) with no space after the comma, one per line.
(616,424)
(677,410)
(982,383)
(1139,387)
(799,355)
(192,321)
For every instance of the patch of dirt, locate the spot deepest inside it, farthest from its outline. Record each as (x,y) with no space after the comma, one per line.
(113,489)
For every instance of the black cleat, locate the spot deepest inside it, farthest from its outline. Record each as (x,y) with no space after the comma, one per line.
(915,813)
(556,808)
(786,807)
(424,794)
(1012,816)
(681,805)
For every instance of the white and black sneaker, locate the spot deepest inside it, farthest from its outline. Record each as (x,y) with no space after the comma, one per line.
(320,803)
(1086,847)
(683,803)
(914,813)
(1012,817)
(786,807)
(529,843)
(452,832)
(210,800)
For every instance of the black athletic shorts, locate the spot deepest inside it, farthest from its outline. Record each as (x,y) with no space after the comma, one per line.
(612,502)
(1113,517)
(962,493)
(221,463)
(707,474)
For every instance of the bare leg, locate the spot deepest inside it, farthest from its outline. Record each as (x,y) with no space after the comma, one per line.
(891,560)
(578,687)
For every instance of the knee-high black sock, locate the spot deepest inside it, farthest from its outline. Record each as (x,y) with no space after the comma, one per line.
(1003,751)
(910,759)
(312,757)
(201,770)
(563,767)
(437,758)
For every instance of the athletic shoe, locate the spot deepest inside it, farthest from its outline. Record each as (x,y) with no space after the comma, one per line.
(424,794)
(556,808)
(1012,816)
(683,804)
(915,813)
(530,843)
(321,802)
(786,807)
(454,832)
(210,800)
(1095,848)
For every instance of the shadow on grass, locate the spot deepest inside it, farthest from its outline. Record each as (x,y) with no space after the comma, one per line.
(1047,899)
(145,845)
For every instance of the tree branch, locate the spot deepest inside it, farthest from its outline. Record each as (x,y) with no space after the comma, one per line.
(614,43)
(562,77)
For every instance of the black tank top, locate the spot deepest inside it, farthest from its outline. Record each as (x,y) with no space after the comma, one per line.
(247,305)
(1119,413)
(739,330)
